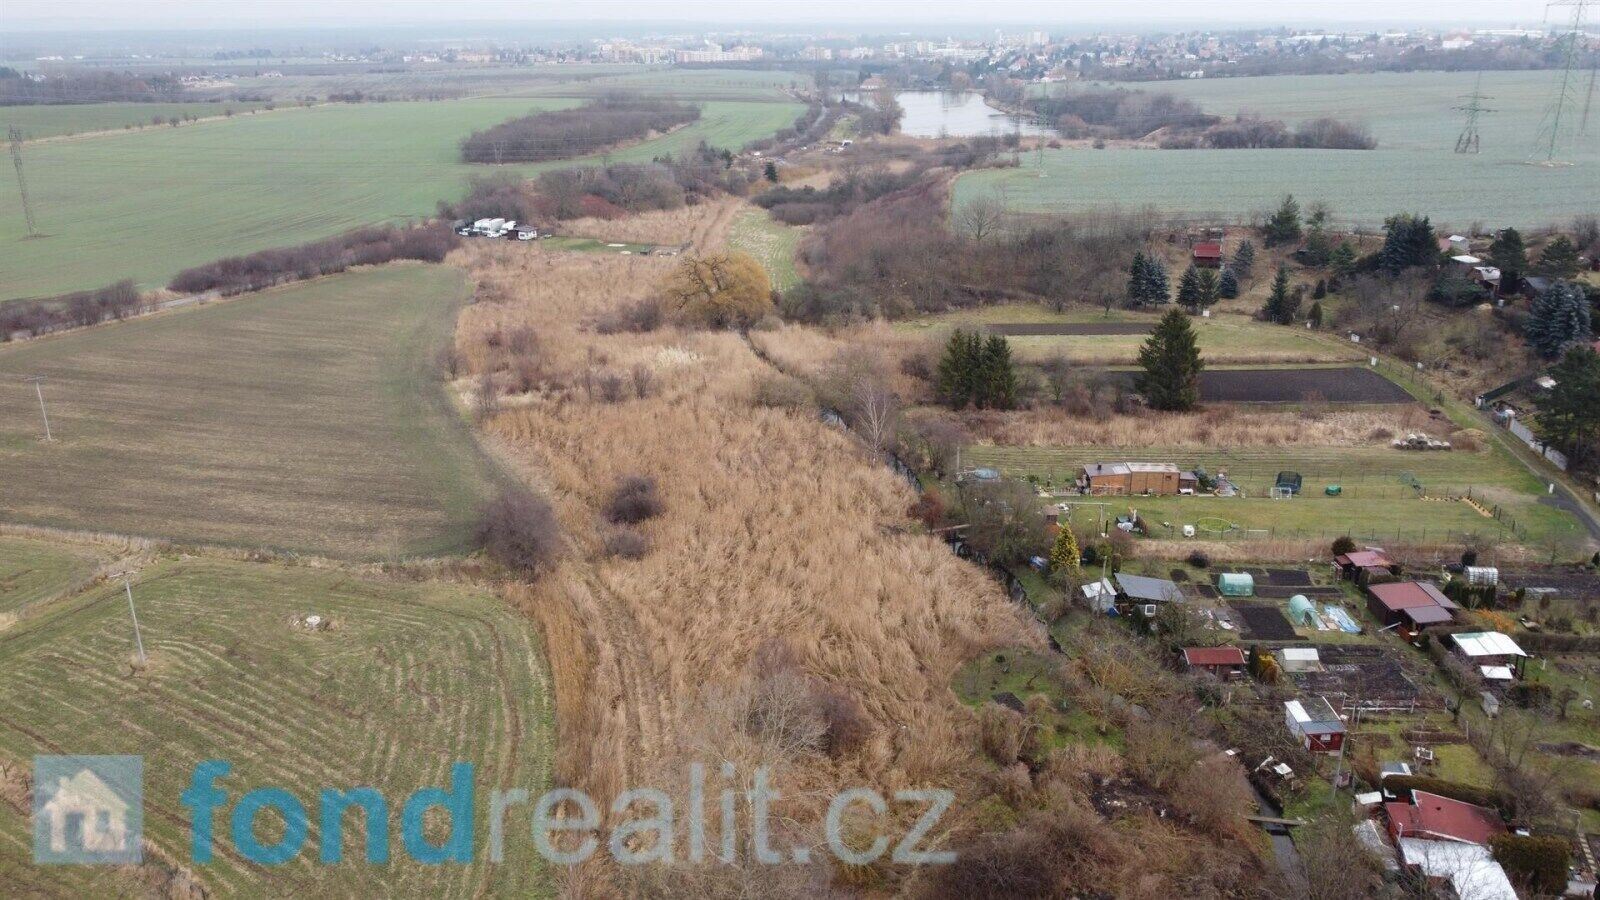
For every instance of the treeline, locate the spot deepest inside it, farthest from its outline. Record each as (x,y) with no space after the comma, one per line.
(1119,113)
(895,257)
(1252,132)
(809,205)
(562,134)
(362,247)
(1133,114)
(36,317)
(17,89)
(810,127)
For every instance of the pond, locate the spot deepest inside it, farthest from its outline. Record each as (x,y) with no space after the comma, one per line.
(956,114)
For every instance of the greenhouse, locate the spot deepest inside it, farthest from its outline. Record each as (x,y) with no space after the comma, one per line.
(1236,584)
(1302,611)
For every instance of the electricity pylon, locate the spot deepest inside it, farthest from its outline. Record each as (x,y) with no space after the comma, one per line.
(1468,141)
(1550,129)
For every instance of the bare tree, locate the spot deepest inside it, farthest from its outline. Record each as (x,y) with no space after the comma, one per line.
(981,216)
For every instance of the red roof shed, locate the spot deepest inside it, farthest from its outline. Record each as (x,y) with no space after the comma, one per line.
(1208,255)
(1441,818)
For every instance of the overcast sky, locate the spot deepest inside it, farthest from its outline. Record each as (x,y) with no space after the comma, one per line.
(22,15)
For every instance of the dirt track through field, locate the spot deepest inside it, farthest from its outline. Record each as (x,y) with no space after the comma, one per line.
(1041,329)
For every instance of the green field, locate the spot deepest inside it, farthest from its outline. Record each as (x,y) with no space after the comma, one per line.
(591,245)
(689,84)
(773,243)
(305,417)
(146,204)
(410,678)
(1377,500)
(33,571)
(1414,167)
(1225,338)
(51,121)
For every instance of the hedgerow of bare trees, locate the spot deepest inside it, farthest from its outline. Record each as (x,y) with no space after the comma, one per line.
(565,133)
(363,247)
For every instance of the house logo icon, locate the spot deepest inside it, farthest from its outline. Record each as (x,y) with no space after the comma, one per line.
(88,809)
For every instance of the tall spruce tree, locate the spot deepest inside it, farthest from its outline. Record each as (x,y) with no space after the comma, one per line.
(1065,557)
(1228,286)
(1189,288)
(999,377)
(959,369)
(1284,225)
(1319,245)
(1342,261)
(1407,241)
(1244,260)
(1209,288)
(1510,256)
(1160,287)
(1558,318)
(1278,307)
(1138,279)
(1171,364)
(1569,416)
(1559,259)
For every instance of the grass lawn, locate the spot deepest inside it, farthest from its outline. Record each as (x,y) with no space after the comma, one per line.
(34,571)
(1223,338)
(51,121)
(1376,502)
(771,242)
(305,417)
(146,204)
(1025,673)
(410,678)
(592,245)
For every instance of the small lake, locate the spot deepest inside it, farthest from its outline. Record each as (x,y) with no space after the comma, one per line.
(956,114)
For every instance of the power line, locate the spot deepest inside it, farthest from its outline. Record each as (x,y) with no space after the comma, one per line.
(1550,130)
(1467,142)
(22,184)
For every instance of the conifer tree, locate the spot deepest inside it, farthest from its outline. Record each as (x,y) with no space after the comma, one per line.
(1228,287)
(1342,261)
(1508,254)
(1138,279)
(1171,364)
(1189,288)
(1244,260)
(1559,317)
(999,377)
(1209,288)
(1316,315)
(1277,307)
(1284,225)
(1064,555)
(1160,290)
(1559,259)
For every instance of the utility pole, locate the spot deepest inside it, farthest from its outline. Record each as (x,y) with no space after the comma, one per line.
(1468,141)
(38,390)
(22,184)
(134,614)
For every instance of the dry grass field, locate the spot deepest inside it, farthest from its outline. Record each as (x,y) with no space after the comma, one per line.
(306,417)
(776,528)
(410,677)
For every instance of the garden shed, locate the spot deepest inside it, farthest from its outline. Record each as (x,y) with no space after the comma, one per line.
(1236,584)
(1302,611)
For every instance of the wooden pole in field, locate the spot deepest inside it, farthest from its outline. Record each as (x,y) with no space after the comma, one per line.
(39,392)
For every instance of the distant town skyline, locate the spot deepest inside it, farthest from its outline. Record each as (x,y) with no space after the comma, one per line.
(102,15)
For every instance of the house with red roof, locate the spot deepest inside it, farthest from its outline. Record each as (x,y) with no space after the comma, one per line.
(1411,605)
(1432,817)
(1208,255)
(1223,662)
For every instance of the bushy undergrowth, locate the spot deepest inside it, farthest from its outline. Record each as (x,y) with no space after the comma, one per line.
(366,246)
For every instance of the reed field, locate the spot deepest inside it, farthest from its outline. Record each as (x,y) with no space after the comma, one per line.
(1413,169)
(146,204)
(306,417)
(409,678)
(776,528)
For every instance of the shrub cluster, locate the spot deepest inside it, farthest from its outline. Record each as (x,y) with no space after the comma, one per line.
(1539,862)
(114,301)
(565,133)
(366,246)
(614,191)
(520,531)
(634,499)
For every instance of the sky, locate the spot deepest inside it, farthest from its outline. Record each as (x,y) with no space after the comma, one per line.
(99,15)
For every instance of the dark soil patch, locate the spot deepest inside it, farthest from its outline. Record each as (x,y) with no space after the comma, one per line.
(1029,329)
(1206,591)
(1286,576)
(1567,583)
(1262,623)
(1274,592)
(1572,748)
(1349,385)
(1367,674)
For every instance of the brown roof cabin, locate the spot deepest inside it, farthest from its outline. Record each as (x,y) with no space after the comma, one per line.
(1223,662)
(1413,605)
(1132,478)
(1208,255)
(1361,566)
